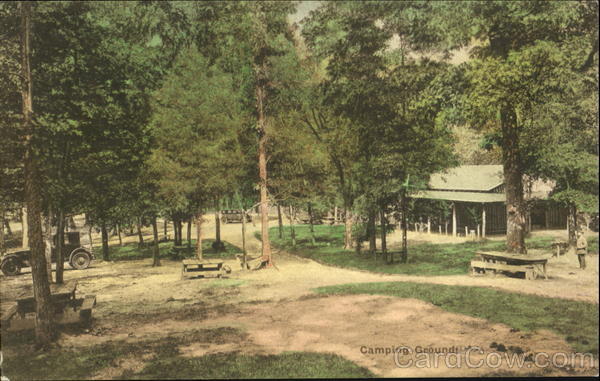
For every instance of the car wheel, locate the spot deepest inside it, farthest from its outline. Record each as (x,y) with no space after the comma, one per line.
(11,266)
(80,260)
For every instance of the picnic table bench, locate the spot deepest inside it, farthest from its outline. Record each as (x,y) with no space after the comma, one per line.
(213,269)
(20,314)
(498,261)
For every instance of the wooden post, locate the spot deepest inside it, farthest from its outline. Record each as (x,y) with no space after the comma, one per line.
(466,231)
(454,227)
(478,226)
(428,225)
(483,221)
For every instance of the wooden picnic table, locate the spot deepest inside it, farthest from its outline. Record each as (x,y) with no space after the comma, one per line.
(560,247)
(20,314)
(496,261)
(60,294)
(207,268)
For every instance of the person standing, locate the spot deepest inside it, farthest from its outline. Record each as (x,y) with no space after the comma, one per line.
(581,249)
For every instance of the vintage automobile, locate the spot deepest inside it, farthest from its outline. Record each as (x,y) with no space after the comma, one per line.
(233,215)
(78,257)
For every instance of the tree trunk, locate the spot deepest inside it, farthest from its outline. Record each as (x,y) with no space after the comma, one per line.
(105,250)
(48,243)
(358,244)
(90,238)
(60,240)
(165,231)
(244,215)
(218,226)
(179,232)
(139,231)
(7,224)
(312,226)
(292,228)
(383,234)
(174,233)
(403,202)
(348,243)
(572,226)
(155,248)
(189,233)
(260,72)
(119,235)
(2,222)
(199,221)
(244,252)
(44,332)
(371,231)
(264,200)
(24,228)
(513,180)
(280,221)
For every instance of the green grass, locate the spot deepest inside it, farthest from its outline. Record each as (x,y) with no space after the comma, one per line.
(166,362)
(423,259)
(131,251)
(576,321)
(593,244)
(235,365)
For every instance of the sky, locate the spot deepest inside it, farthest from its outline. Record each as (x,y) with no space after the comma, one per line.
(303,9)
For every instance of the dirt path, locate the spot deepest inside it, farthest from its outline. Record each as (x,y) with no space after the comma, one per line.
(278,310)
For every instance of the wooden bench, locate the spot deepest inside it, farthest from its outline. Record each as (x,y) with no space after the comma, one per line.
(8,311)
(477,265)
(207,269)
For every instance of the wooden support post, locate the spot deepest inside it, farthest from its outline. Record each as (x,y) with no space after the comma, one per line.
(454,227)
(466,231)
(428,225)
(478,235)
(483,221)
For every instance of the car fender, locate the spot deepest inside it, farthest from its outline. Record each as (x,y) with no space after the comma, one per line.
(79,250)
(9,256)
